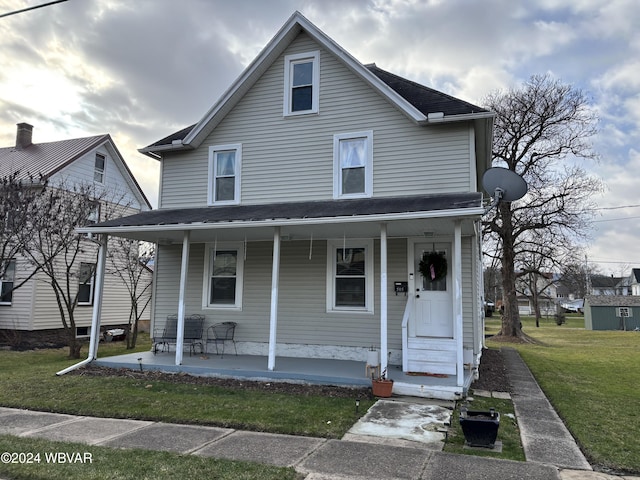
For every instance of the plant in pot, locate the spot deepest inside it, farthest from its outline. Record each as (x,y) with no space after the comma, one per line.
(381,386)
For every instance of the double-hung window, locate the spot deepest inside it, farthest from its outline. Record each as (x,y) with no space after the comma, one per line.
(6,282)
(222,285)
(85,283)
(225,165)
(301,83)
(353,165)
(98,170)
(350,276)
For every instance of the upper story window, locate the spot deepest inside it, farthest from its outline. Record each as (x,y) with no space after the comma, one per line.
(301,83)
(85,283)
(6,283)
(223,277)
(353,165)
(225,162)
(98,171)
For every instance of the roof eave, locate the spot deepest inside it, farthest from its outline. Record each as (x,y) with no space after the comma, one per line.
(385,217)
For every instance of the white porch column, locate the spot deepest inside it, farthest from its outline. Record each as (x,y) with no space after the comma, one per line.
(384,347)
(273,319)
(457,301)
(184,271)
(98,289)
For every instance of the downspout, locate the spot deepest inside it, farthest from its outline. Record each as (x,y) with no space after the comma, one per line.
(97,309)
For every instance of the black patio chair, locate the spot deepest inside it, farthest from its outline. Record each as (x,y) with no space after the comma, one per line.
(221,333)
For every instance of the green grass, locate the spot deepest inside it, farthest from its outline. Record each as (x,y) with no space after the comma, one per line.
(116,464)
(508,432)
(591,378)
(29,381)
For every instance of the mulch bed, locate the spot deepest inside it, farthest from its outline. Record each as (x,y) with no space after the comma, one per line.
(493,377)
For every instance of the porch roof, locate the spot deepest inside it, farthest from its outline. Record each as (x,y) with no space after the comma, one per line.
(167,223)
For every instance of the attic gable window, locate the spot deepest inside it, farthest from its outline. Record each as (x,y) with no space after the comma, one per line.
(225,162)
(301,83)
(98,171)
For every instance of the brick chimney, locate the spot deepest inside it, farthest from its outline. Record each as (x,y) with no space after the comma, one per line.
(23,136)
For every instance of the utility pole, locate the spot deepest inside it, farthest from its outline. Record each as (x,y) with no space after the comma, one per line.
(587,276)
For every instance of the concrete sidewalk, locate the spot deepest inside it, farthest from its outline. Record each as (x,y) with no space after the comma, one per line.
(319,459)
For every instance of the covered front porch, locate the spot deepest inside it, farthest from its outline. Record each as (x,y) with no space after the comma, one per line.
(295,370)
(286,259)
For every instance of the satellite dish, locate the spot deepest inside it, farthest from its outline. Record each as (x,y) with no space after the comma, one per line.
(505,184)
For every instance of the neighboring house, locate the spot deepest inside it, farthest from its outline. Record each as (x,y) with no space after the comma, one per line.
(301,204)
(612,312)
(606,285)
(546,293)
(631,284)
(31,309)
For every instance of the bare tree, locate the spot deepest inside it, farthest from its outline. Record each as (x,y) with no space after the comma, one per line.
(17,200)
(130,261)
(542,132)
(67,259)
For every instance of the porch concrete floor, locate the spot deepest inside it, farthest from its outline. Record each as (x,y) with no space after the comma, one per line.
(289,369)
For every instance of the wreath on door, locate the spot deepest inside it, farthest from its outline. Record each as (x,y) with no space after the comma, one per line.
(433,266)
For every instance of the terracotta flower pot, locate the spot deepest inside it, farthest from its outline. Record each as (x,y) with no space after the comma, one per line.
(382,387)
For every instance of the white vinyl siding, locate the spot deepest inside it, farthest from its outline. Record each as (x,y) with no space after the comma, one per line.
(302,313)
(291,159)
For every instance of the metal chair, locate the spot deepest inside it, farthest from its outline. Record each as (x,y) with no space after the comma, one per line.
(221,333)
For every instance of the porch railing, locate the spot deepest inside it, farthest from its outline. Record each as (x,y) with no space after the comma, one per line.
(408,312)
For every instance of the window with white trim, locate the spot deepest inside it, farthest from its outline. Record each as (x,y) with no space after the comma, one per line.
(6,283)
(225,165)
(353,165)
(350,276)
(85,283)
(223,276)
(99,165)
(301,83)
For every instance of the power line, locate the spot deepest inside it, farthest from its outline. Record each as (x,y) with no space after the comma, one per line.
(617,208)
(31,8)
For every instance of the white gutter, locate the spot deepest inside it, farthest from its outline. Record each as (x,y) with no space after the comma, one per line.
(460,212)
(97,311)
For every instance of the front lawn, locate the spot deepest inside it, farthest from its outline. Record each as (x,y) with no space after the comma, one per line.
(591,378)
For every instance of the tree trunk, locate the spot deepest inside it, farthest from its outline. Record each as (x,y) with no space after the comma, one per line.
(511,326)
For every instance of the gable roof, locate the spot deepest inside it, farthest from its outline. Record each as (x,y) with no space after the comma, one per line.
(612,300)
(49,158)
(413,100)
(46,158)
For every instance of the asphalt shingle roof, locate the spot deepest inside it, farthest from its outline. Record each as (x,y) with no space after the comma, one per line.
(299,210)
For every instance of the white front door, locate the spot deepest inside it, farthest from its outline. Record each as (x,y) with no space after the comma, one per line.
(433,296)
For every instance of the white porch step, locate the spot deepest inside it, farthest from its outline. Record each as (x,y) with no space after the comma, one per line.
(428,355)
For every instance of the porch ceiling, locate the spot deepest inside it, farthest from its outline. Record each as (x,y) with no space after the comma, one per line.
(430,215)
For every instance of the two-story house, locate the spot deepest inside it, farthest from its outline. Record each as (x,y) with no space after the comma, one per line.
(31,311)
(302,204)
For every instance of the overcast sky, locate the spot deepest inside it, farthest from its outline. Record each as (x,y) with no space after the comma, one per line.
(142,69)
